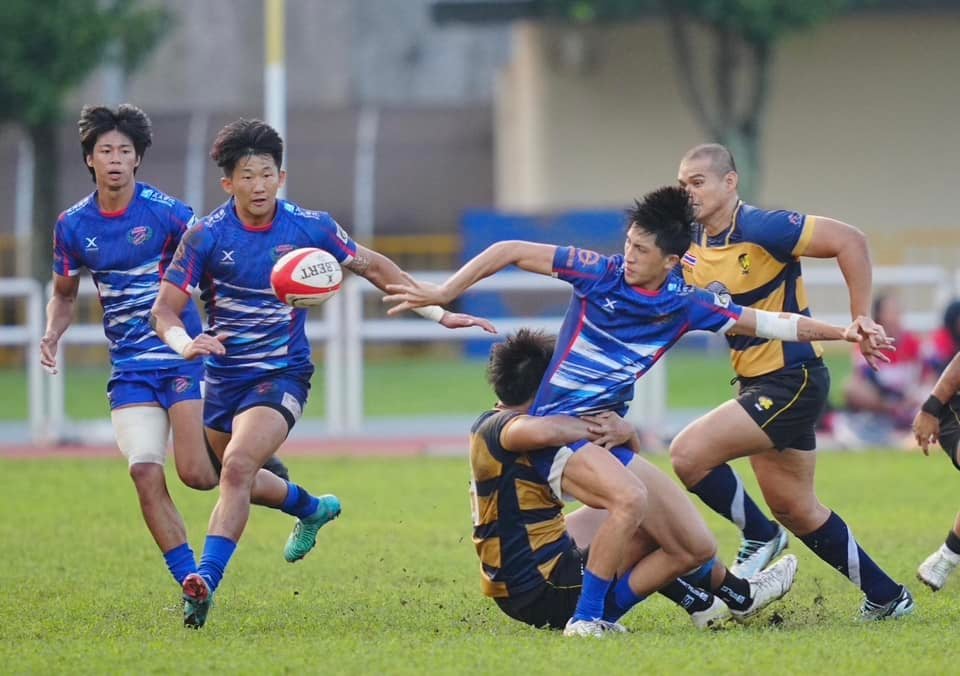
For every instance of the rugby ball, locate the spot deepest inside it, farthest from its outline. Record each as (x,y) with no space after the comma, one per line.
(306,277)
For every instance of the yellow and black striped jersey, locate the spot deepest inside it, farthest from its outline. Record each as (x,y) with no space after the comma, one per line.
(756,262)
(518,527)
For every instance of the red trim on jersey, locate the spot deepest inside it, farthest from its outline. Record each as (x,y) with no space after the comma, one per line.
(256,228)
(645,292)
(114,214)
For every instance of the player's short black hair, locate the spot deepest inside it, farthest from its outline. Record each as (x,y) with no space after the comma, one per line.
(667,214)
(517,365)
(127,119)
(245,138)
(721,159)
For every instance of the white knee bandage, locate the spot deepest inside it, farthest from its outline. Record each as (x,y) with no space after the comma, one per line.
(142,433)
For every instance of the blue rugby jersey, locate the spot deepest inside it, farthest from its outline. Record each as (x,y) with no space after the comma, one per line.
(231,263)
(614,332)
(127,253)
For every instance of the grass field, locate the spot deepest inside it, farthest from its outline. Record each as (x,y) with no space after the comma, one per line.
(695,380)
(393,586)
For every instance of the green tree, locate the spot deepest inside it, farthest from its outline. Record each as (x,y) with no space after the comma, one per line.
(46,49)
(728,97)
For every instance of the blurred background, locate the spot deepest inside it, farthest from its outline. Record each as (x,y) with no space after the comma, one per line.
(431,128)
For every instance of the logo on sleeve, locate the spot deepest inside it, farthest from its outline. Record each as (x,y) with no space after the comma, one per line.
(795,218)
(342,234)
(139,234)
(721,294)
(587,257)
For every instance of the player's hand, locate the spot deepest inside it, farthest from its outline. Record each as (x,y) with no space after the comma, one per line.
(926,429)
(609,429)
(205,345)
(413,294)
(48,353)
(873,340)
(457,320)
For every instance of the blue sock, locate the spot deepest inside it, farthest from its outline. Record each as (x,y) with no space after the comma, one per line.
(722,491)
(592,596)
(181,562)
(700,577)
(299,502)
(217,551)
(834,543)
(620,599)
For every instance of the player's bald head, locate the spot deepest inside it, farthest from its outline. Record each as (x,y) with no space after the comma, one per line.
(719,156)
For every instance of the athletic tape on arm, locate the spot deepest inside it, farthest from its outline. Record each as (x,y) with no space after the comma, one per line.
(771,325)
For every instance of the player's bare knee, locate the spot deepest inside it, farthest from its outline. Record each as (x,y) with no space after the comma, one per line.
(199,479)
(238,472)
(686,465)
(630,502)
(148,478)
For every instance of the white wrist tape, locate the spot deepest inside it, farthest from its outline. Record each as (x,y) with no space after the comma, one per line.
(178,339)
(432,312)
(771,325)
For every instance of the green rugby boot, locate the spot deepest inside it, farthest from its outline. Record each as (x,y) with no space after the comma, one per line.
(304,535)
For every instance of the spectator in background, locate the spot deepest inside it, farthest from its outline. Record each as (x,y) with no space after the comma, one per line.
(942,344)
(883,402)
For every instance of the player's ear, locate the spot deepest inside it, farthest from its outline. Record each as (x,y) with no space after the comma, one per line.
(732,179)
(227,185)
(89,160)
(670,261)
(283,177)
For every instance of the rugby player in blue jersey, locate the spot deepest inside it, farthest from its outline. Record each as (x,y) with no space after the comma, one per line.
(532,557)
(258,369)
(125,234)
(752,256)
(625,313)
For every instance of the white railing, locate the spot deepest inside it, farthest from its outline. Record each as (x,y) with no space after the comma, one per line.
(27,336)
(343,331)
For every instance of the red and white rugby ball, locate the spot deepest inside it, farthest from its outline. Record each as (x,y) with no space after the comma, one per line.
(306,277)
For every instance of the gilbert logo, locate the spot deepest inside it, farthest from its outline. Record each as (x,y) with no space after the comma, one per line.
(326,268)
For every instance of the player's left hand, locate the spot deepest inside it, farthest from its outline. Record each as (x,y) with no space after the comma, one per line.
(609,429)
(457,320)
(926,429)
(873,340)
(413,294)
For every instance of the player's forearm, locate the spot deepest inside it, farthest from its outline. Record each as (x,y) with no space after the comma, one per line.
(948,384)
(787,326)
(376,268)
(854,263)
(165,316)
(60,311)
(491,260)
(809,330)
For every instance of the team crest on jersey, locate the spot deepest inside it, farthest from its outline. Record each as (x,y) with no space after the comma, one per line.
(181,384)
(763,403)
(587,257)
(277,252)
(795,218)
(743,260)
(139,234)
(720,293)
(265,388)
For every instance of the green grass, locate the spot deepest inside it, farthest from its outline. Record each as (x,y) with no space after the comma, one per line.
(393,586)
(442,387)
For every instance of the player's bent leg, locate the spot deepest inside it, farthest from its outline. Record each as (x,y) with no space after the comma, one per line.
(189,446)
(583,524)
(937,567)
(598,479)
(699,455)
(787,479)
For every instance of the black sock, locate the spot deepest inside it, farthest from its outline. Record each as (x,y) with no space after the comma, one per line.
(735,592)
(953,543)
(690,598)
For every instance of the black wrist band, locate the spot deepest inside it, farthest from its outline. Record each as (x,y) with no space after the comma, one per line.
(933,406)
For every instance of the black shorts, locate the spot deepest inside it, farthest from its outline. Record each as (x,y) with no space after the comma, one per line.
(553,603)
(950,429)
(786,404)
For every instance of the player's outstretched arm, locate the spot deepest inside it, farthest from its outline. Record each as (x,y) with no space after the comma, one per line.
(793,327)
(527,256)
(926,424)
(165,320)
(527,433)
(384,273)
(60,312)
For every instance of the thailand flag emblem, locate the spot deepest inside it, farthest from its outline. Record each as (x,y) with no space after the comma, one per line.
(689,259)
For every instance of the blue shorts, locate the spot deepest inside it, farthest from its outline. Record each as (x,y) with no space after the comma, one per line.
(550,463)
(164,387)
(226,398)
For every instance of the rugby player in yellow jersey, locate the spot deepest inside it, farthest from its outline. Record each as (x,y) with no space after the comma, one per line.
(753,256)
(531,561)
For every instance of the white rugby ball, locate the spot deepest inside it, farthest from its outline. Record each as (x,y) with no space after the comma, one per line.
(306,277)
